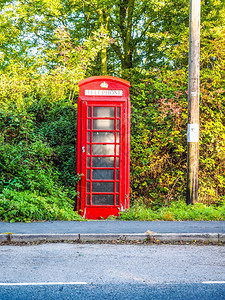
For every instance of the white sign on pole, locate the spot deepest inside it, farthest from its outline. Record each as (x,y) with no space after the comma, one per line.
(193,133)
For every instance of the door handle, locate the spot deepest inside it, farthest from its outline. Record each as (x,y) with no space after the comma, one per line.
(83,149)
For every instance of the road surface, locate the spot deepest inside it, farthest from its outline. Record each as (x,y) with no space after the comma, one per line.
(99,271)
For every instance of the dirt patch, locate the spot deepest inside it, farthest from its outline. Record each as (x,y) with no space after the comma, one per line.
(116,242)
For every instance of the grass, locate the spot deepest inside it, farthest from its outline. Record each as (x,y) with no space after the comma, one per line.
(177,211)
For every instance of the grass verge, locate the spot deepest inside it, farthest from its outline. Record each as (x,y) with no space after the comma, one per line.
(177,211)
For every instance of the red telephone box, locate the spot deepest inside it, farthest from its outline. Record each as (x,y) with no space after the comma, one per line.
(103,146)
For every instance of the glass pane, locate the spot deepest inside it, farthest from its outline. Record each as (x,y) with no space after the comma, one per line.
(118,112)
(88,137)
(117,162)
(103,199)
(103,174)
(102,162)
(117,149)
(103,149)
(89,111)
(103,137)
(88,187)
(89,124)
(117,174)
(117,137)
(102,187)
(104,112)
(118,124)
(88,174)
(117,199)
(88,162)
(88,149)
(88,199)
(103,124)
(117,187)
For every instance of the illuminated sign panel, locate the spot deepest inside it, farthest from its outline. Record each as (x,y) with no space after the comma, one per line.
(104,93)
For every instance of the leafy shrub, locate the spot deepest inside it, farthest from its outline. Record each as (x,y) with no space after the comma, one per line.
(29,206)
(58,128)
(159,139)
(38,162)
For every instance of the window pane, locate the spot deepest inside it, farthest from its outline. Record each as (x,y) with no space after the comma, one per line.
(103,174)
(88,149)
(88,162)
(89,124)
(103,137)
(88,187)
(117,149)
(117,199)
(89,111)
(102,162)
(118,112)
(117,174)
(117,162)
(88,174)
(117,187)
(102,187)
(103,149)
(103,124)
(88,137)
(102,199)
(104,112)
(117,137)
(118,124)
(88,199)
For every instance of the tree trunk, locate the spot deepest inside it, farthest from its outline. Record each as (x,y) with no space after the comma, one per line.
(104,21)
(126,17)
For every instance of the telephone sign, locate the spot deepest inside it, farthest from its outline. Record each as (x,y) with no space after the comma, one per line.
(103,146)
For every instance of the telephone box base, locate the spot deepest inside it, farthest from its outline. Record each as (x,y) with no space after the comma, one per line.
(100,212)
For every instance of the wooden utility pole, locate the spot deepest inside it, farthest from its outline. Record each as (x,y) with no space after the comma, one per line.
(193,103)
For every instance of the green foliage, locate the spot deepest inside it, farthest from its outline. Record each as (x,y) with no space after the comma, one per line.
(158,136)
(38,126)
(38,161)
(178,211)
(29,206)
(159,120)
(47,47)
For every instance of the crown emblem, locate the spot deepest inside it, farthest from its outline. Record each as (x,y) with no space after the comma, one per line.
(104,85)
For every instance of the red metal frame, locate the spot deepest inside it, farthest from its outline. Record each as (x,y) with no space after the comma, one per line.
(86,106)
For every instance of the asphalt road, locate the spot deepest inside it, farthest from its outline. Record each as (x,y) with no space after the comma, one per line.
(119,291)
(114,264)
(103,271)
(62,227)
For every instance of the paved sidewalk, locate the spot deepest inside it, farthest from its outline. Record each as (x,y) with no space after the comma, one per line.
(111,230)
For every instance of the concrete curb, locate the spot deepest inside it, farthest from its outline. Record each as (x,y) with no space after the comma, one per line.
(4,237)
(161,237)
(113,237)
(43,237)
(190,237)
